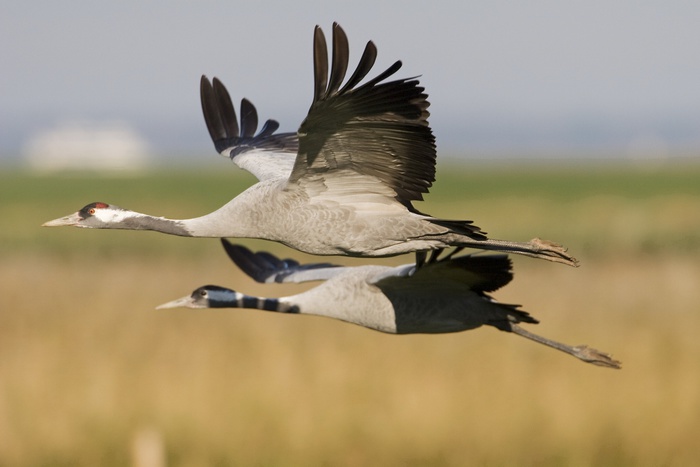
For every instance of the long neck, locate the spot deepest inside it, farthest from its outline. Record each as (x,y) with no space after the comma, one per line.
(231,299)
(240,217)
(140,221)
(220,223)
(243,217)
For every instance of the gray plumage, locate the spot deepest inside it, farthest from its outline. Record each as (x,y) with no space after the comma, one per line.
(365,152)
(447,295)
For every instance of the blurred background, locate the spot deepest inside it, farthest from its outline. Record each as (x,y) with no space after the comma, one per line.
(549,79)
(577,122)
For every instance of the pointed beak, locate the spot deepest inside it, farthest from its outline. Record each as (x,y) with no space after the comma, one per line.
(184,302)
(73,219)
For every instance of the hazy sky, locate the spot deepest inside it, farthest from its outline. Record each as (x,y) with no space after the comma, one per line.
(502,75)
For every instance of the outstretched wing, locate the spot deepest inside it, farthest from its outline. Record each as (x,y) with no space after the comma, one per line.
(267,268)
(265,155)
(480,273)
(483,273)
(379,129)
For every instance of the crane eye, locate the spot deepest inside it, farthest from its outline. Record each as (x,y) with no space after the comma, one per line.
(203,293)
(91,211)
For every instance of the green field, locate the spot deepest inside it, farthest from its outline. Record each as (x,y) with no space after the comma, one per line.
(91,374)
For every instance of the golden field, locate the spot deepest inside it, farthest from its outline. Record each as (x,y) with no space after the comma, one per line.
(91,374)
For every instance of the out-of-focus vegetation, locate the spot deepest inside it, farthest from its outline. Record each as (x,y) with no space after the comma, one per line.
(90,374)
(597,209)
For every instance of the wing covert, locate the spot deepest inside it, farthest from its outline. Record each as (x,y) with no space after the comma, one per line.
(378,129)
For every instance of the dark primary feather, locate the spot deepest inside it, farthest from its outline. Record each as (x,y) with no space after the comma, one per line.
(369,56)
(481,273)
(249,118)
(269,127)
(219,114)
(262,266)
(377,129)
(222,123)
(227,112)
(340,62)
(491,272)
(320,64)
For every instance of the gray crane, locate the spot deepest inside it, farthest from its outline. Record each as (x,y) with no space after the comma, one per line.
(365,153)
(444,295)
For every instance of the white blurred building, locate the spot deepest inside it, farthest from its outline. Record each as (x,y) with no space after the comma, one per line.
(80,145)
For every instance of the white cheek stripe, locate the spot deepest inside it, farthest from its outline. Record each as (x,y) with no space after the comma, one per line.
(112,216)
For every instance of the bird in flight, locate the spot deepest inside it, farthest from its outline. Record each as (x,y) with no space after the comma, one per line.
(444,295)
(364,153)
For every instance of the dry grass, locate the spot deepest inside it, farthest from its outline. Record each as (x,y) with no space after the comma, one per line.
(87,365)
(89,372)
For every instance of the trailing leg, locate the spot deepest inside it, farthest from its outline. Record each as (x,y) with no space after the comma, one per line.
(582,352)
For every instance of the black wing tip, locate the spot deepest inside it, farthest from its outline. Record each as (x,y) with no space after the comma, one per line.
(335,25)
(223,124)
(234,250)
(249,119)
(326,87)
(269,128)
(252,264)
(261,265)
(493,271)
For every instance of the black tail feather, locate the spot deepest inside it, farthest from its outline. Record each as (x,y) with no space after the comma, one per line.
(514,316)
(462,227)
